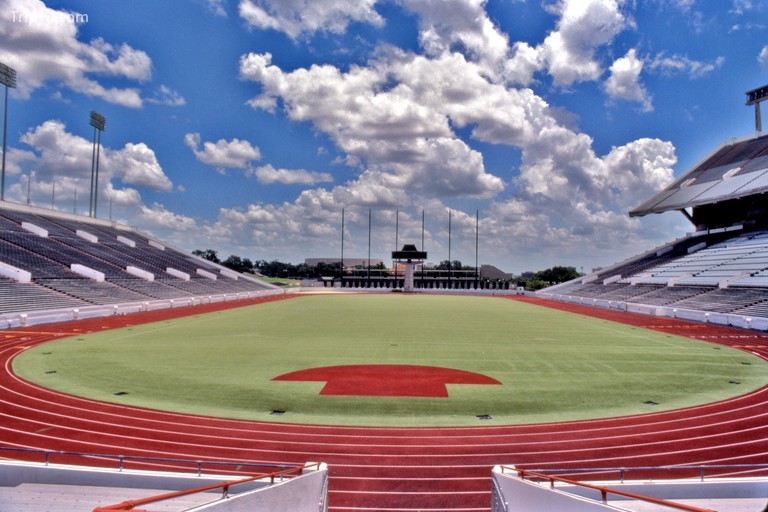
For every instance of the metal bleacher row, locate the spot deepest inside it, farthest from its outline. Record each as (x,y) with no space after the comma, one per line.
(48,246)
(723,272)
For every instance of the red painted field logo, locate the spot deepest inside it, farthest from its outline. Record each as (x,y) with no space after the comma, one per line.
(387,380)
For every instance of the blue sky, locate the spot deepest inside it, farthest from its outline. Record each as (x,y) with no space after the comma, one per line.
(245,126)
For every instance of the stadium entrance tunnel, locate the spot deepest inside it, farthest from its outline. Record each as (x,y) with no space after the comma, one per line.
(387,380)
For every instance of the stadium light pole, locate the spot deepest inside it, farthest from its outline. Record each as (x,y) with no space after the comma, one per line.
(8,79)
(477,245)
(99,123)
(450,265)
(755,97)
(397,241)
(341,267)
(422,247)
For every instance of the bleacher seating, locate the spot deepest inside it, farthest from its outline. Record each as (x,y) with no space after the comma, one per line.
(47,245)
(722,272)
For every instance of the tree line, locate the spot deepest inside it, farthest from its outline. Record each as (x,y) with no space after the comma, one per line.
(279,269)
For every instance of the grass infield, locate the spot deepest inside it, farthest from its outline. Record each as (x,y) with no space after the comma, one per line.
(553,365)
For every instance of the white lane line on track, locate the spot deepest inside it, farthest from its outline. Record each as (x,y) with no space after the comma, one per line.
(433,429)
(89,405)
(294,443)
(729,434)
(731,413)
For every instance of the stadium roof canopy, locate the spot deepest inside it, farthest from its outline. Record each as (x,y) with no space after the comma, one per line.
(736,169)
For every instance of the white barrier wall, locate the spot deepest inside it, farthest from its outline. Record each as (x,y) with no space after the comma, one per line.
(205,273)
(87,236)
(18,275)
(13,320)
(142,274)
(178,273)
(525,496)
(306,493)
(744,322)
(14,473)
(87,272)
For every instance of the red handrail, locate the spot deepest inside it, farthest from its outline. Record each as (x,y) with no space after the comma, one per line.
(605,490)
(224,486)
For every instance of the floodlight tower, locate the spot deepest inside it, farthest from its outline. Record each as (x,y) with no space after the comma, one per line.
(755,97)
(8,79)
(99,123)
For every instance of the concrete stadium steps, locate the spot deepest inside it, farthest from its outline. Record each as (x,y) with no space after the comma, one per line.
(426,482)
(409,488)
(447,500)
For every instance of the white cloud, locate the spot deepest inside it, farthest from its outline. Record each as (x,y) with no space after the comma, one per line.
(58,159)
(298,17)
(583,27)
(217,7)
(396,117)
(402,132)
(223,154)
(763,57)
(167,96)
(156,216)
(461,25)
(42,45)
(624,81)
(136,164)
(676,64)
(741,7)
(267,174)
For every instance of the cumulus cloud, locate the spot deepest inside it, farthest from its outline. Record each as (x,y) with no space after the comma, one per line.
(624,81)
(136,164)
(223,154)
(156,216)
(571,200)
(268,174)
(583,27)
(396,118)
(298,17)
(42,45)
(461,25)
(402,132)
(60,162)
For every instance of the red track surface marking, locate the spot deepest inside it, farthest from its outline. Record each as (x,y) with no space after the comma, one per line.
(390,469)
(387,380)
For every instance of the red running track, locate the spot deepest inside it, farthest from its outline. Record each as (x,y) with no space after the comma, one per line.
(390,469)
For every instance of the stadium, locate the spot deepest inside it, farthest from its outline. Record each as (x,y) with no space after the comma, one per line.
(129,363)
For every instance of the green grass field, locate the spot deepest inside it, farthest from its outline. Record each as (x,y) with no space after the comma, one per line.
(554,366)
